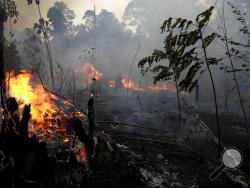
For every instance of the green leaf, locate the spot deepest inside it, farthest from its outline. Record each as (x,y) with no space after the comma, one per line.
(204,17)
(182,24)
(166,23)
(178,20)
(189,23)
(209,39)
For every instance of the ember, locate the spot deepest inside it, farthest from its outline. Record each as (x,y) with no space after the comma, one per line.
(82,156)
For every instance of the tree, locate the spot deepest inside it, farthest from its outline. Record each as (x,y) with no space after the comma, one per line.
(62,18)
(44,27)
(232,51)
(7,9)
(182,62)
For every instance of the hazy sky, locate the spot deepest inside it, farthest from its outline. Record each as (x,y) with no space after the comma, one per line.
(29,14)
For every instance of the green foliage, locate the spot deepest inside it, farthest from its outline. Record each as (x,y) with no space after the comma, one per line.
(209,39)
(180,54)
(203,18)
(240,16)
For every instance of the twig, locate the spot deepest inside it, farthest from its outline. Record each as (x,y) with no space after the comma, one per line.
(71,102)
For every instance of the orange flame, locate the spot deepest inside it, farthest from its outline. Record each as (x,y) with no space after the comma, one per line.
(162,87)
(47,121)
(82,155)
(127,83)
(91,73)
(25,93)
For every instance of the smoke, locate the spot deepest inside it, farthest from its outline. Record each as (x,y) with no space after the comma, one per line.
(116,42)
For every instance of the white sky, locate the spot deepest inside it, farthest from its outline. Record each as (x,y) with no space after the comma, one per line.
(29,14)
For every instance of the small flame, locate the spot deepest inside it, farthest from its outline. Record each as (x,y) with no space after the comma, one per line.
(111,83)
(127,83)
(162,87)
(90,72)
(82,155)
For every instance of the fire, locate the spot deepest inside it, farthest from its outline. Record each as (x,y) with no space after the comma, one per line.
(82,155)
(25,93)
(127,83)
(111,83)
(90,72)
(162,87)
(47,120)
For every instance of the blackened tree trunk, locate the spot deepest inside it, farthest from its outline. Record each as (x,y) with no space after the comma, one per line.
(91,116)
(2,71)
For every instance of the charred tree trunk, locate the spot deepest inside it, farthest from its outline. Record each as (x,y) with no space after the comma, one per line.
(2,74)
(91,116)
(25,122)
(85,138)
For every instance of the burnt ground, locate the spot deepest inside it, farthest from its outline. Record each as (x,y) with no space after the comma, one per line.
(158,163)
(177,155)
(125,159)
(135,160)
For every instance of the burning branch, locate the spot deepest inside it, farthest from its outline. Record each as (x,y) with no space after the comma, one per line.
(60,96)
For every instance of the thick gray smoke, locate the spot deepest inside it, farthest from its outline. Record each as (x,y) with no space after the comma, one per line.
(116,41)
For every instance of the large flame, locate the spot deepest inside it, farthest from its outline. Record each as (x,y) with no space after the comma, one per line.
(46,118)
(41,102)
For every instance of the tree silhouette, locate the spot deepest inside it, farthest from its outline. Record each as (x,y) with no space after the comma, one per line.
(7,9)
(61,17)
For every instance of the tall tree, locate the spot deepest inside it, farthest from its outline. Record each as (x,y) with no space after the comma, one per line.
(7,9)
(44,27)
(180,60)
(232,51)
(62,18)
